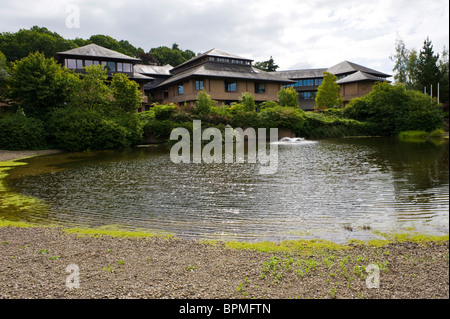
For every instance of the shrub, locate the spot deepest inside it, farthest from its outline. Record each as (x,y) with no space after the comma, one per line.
(394,109)
(248,101)
(164,112)
(19,132)
(75,129)
(282,117)
(204,103)
(160,129)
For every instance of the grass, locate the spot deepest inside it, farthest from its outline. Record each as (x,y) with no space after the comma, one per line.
(420,136)
(114,231)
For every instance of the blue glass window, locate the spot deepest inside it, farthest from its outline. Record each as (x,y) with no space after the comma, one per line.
(180,89)
(230,86)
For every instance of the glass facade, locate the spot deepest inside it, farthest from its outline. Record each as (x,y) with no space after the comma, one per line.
(305,82)
(78,64)
(307,95)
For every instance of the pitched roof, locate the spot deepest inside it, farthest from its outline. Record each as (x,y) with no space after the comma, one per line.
(94,50)
(360,76)
(153,69)
(302,74)
(350,67)
(213,53)
(227,71)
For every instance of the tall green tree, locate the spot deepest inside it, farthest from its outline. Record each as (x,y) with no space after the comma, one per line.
(288,97)
(428,72)
(125,92)
(38,84)
(328,95)
(268,66)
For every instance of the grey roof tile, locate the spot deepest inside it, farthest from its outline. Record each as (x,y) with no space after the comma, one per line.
(94,50)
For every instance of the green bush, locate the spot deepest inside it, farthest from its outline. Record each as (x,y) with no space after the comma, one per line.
(19,132)
(393,108)
(204,103)
(318,125)
(160,129)
(76,129)
(164,112)
(282,117)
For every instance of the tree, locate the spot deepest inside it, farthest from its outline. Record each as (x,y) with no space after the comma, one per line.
(204,103)
(248,101)
(126,93)
(444,81)
(401,59)
(20,44)
(173,56)
(38,84)
(92,90)
(288,97)
(147,58)
(268,66)
(328,95)
(3,76)
(428,70)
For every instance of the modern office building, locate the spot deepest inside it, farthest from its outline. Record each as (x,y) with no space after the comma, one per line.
(224,76)
(354,80)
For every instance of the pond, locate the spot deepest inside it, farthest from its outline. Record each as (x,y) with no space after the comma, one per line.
(334,189)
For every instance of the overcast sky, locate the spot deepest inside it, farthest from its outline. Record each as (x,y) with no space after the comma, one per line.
(297,33)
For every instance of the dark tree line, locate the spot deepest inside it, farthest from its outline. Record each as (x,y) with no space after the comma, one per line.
(17,45)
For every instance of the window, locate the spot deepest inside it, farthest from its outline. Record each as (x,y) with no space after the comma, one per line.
(223,60)
(119,67)
(260,87)
(308,95)
(317,82)
(230,86)
(308,82)
(180,89)
(199,85)
(96,62)
(211,58)
(111,66)
(127,67)
(74,64)
(71,64)
(88,63)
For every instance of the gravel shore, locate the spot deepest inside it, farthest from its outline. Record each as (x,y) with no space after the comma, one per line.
(37,262)
(6,155)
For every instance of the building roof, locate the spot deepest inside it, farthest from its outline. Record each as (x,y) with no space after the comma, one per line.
(138,76)
(153,69)
(302,74)
(350,67)
(360,76)
(94,50)
(213,53)
(212,69)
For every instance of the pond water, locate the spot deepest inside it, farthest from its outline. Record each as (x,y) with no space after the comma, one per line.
(333,189)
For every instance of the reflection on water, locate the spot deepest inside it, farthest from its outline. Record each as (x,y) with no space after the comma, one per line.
(331,189)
